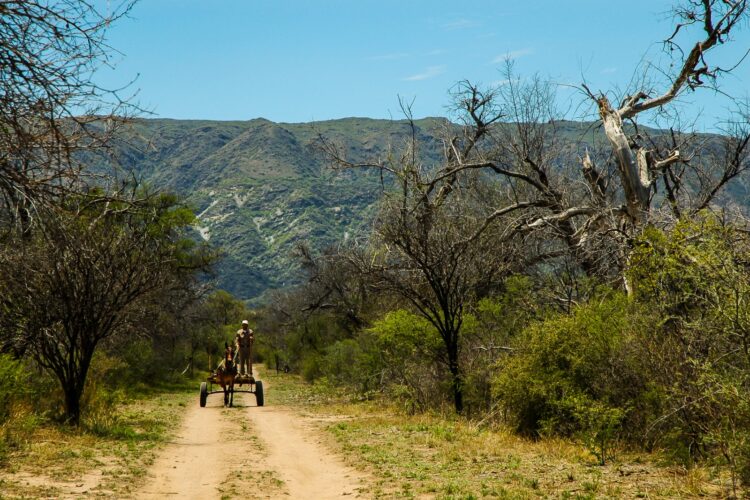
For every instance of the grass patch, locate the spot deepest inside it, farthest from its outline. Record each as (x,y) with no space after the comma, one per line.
(102,457)
(246,478)
(249,483)
(445,457)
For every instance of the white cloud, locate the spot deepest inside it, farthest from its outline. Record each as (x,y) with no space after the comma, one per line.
(460,24)
(430,72)
(513,54)
(403,55)
(389,57)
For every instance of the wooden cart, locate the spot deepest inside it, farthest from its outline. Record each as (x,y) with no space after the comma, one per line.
(255,387)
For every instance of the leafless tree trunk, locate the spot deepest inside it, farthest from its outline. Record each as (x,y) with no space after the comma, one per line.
(434,243)
(718,19)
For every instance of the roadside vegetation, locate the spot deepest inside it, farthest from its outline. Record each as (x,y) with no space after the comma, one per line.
(530,315)
(106,311)
(134,399)
(439,455)
(135,392)
(591,292)
(115,443)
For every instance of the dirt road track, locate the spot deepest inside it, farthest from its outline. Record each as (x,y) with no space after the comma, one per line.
(248,452)
(196,461)
(294,450)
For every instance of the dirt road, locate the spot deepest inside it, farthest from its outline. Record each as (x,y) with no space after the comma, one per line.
(248,452)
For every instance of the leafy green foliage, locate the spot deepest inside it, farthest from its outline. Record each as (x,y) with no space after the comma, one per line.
(697,279)
(11,384)
(95,272)
(575,375)
(686,269)
(407,350)
(489,333)
(399,355)
(25,396)
(402,334)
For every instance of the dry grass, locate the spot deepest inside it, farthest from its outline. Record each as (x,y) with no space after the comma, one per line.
(100,460)
(417,456)
(247,479)
(433,456)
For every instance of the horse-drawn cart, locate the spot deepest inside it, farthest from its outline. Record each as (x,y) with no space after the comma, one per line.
(255,387)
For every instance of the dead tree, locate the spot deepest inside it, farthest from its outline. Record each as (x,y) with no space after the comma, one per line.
(51,111)
(434,243)
(594,205)
(717,20)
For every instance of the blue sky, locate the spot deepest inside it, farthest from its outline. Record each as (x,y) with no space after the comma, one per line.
(305,60)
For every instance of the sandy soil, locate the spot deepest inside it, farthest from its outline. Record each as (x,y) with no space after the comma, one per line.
(197,460)
(295,451)
(248,452)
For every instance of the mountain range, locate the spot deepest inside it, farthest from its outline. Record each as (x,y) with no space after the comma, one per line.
(260,189)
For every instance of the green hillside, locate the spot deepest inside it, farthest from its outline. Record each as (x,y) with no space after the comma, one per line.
(260,188)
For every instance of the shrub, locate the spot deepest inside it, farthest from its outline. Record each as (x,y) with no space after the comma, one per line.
(355,362)
(487,334)
(20,391)
(576,375)
(12,387)
(696,279)
(312,367)
(409,350)
(399,355)
(340,363)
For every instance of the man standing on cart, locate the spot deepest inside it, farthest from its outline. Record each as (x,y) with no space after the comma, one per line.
(243,341)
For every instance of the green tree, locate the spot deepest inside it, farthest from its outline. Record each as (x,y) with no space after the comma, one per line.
(433,242)
(696,278)
(87,275)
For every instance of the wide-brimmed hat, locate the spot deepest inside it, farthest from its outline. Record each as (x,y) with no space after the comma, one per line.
(245,322)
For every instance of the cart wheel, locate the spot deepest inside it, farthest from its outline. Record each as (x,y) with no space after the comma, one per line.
(204,394)
(259,393)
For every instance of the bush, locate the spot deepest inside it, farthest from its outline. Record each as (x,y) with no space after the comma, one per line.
(487,333)
(576,375)
(728,427)
(20,391)
(310,338)
(12,387)
(134,366)
(399,355)
(600,427)
(353,362)
(696,279)
(409,351)
(312,367)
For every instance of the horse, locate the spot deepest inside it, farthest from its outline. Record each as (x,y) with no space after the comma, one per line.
(225,375)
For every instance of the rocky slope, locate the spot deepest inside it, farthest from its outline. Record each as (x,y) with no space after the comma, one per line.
(260,188)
